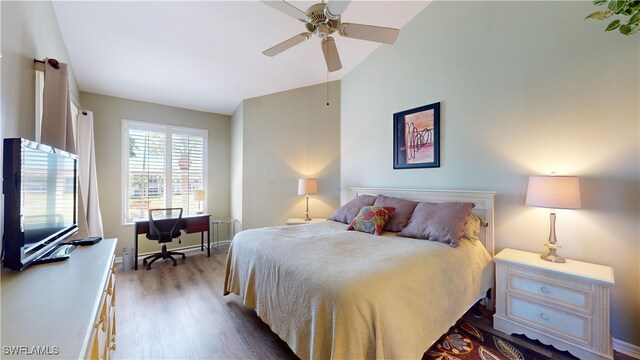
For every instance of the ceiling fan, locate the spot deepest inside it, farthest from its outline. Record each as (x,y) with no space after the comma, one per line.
(323,20)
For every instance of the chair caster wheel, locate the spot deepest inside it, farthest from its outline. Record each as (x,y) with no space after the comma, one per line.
(184,256)
(144,262)
(175,264)
(148,267)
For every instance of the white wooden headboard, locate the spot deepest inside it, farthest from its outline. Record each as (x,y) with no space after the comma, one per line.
(482,199)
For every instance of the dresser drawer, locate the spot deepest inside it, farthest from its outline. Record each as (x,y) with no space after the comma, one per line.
(563,324)
(574,295)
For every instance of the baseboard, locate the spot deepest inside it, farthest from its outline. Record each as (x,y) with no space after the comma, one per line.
(626,348)
(188,250)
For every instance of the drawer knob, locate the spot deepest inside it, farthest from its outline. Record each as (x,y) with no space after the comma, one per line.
(544,316)
(545,290)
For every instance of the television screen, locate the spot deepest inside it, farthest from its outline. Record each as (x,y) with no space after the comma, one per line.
(47,196)
(40,186)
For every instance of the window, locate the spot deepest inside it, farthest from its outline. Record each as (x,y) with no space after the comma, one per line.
(163,166)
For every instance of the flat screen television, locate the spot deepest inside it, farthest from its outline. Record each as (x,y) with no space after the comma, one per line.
(40,186)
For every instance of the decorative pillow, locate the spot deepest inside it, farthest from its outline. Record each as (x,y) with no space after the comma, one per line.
(472,227)
(442,222)
(400,218)
(347,212)
(371,219)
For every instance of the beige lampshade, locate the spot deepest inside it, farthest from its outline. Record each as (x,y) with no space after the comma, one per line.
(555,192)
(307,186)
(198,195)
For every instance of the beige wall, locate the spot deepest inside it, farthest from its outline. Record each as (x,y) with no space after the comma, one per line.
(108,113)
(28,30)
(286,136)
(525,88)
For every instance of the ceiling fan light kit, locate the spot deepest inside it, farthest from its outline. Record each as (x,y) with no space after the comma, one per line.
(323,20)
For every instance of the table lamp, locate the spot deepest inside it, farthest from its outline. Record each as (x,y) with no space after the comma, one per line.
(198,195)
(307,187)
(554,192)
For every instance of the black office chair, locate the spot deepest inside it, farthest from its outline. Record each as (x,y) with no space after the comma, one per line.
(163,231)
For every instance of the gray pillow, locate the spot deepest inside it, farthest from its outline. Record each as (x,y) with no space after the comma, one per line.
(347,212)
(400,218)
(442,222)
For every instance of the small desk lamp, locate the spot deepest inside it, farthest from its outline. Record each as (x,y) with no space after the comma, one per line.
(307,187)
(198,195)
(554,192)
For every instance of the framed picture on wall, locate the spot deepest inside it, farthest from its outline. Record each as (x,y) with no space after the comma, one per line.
(416,137)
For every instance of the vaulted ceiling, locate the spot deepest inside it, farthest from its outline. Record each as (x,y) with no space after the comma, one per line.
(206,55)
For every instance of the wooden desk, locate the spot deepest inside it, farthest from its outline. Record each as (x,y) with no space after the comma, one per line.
(196,223)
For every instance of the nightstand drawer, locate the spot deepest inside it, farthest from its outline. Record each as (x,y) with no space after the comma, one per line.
(531,284)
(563,324)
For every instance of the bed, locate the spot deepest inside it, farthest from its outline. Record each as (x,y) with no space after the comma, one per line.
(332,293)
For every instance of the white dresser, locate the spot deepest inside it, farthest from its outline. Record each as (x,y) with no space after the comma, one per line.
(562,304)
(61,310)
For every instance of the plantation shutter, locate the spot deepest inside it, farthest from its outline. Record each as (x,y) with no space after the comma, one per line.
(147,172)
(163,167)
(188,169)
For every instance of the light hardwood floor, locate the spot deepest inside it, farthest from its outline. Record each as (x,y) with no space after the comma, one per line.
(179,313)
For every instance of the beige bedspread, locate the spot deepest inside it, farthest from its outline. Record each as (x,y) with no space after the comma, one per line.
(331,293)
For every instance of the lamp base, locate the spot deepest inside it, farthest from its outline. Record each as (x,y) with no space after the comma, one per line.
(306,213)
(552,255)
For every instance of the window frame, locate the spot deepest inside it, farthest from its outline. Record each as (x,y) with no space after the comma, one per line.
(168,130)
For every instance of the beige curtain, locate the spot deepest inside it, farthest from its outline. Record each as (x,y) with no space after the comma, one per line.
(88,178)
(57,127)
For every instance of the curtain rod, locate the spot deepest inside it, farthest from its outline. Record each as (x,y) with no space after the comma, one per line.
(39,64)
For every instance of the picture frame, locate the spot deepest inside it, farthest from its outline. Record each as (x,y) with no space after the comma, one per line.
(416,137)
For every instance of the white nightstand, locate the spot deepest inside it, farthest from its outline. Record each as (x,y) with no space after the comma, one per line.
(298,221)
(562,304)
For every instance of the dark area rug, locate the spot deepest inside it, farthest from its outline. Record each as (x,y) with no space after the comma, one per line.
(469,342)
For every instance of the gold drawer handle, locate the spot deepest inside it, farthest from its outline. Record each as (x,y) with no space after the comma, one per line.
(545,290)
(544,316)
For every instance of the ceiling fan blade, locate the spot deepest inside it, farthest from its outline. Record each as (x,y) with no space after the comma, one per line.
(369,32)
(335,8)
(331,54)
(289,43)
(287,8)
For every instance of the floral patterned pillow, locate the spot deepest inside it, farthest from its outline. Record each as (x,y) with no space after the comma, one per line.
(371,219)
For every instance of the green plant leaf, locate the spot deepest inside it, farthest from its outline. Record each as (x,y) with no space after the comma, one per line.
(613,25)
(624,29)
(600,15)
(628,12)
(633,29)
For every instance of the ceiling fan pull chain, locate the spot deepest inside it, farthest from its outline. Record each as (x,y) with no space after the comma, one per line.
(327,87)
